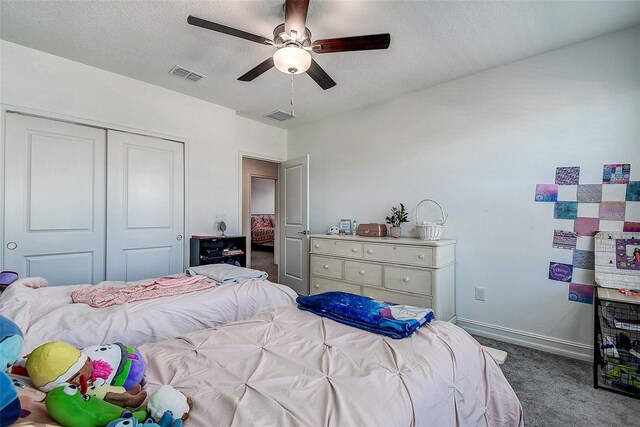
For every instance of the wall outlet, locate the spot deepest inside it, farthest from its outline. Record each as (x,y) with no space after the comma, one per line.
(479,293)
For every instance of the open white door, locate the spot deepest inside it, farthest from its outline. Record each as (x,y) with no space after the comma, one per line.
(145,207)
(293,269)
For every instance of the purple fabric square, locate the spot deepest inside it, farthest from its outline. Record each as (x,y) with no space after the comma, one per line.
(586,226)
(568,175)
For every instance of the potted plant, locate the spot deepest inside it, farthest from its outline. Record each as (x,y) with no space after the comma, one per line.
(398,216)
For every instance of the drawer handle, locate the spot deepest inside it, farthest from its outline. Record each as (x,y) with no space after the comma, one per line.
(361,272)
(421,256)
(369,251)
(405,279)
(316,286)
(326,267)
(317,245)
(354,249)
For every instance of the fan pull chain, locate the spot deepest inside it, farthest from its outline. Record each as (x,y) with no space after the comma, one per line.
(293,114)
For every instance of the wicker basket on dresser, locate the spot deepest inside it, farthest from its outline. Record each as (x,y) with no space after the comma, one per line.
(404,270)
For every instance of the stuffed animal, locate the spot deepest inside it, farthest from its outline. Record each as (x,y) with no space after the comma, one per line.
(57,362)
(11,343)
(9,402)
(117,395)
(166,421)
(69,407)
(117,364)
(167,398)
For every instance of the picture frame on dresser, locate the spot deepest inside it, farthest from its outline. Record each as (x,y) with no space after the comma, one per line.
(400,270)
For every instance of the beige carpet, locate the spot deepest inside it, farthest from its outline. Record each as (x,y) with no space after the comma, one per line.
(263,260)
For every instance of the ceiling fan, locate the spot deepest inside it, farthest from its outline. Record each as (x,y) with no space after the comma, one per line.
(293,42)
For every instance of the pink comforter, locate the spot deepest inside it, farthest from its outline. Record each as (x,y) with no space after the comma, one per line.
(292,368)
(47,314)
(166,286)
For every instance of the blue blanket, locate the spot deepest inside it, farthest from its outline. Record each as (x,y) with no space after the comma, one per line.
(393,320)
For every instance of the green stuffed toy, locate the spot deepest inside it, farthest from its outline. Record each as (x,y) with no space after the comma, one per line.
(68,406)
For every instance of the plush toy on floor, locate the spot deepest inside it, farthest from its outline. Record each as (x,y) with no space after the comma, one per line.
(118,365)
(168,399)
(71,408)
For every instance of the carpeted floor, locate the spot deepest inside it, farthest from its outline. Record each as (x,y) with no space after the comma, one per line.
(558,391)
(262,259)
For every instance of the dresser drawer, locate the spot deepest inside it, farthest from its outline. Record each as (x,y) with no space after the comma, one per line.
(336,248)
(402,254)
(329,267)
(408,280)
(397,298)
(320,285)
(363,272)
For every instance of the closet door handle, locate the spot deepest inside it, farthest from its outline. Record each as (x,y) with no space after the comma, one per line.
(179,237)
(405,279)
(369,251)
(421,256)
(12,245)
(362,272)
(326,267)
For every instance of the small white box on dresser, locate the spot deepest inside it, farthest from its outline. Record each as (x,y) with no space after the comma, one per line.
(403,270)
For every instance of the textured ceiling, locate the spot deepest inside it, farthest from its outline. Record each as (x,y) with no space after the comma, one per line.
(431,42)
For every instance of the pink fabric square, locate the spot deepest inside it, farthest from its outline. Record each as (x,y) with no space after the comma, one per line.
(586,226)
(612,211)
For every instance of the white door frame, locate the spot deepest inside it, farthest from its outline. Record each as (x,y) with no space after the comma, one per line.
(256,156)
(43,114)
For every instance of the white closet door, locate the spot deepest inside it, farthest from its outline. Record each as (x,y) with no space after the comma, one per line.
(145,207)
(54,200)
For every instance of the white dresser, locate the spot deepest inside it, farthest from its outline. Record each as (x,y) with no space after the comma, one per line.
(404,270)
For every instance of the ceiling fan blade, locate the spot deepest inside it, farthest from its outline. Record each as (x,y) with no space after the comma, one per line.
(348,44)
(295,16)
(257,70)
(203,23)
(320,76)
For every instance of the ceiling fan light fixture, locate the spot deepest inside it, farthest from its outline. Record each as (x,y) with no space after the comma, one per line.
(292,59)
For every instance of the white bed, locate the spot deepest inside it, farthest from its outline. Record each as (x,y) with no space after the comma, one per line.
(287,367)
(47,313)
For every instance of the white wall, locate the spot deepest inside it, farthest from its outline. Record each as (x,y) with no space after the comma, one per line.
(263,196)
(38,82)
(258,140)
(479,145)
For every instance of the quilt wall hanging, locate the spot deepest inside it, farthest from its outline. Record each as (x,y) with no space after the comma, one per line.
(584,209)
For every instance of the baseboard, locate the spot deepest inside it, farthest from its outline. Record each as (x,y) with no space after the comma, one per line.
(527,339)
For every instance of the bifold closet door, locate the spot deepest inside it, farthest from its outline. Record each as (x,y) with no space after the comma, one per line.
(145,206)
(54,207)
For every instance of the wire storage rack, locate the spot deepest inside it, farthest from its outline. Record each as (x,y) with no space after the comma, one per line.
(617,349)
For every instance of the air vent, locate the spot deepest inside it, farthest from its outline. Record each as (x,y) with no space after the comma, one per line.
(187,74)
(194,77)
(280,115)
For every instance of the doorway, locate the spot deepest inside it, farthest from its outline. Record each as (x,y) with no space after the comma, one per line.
(260,214)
